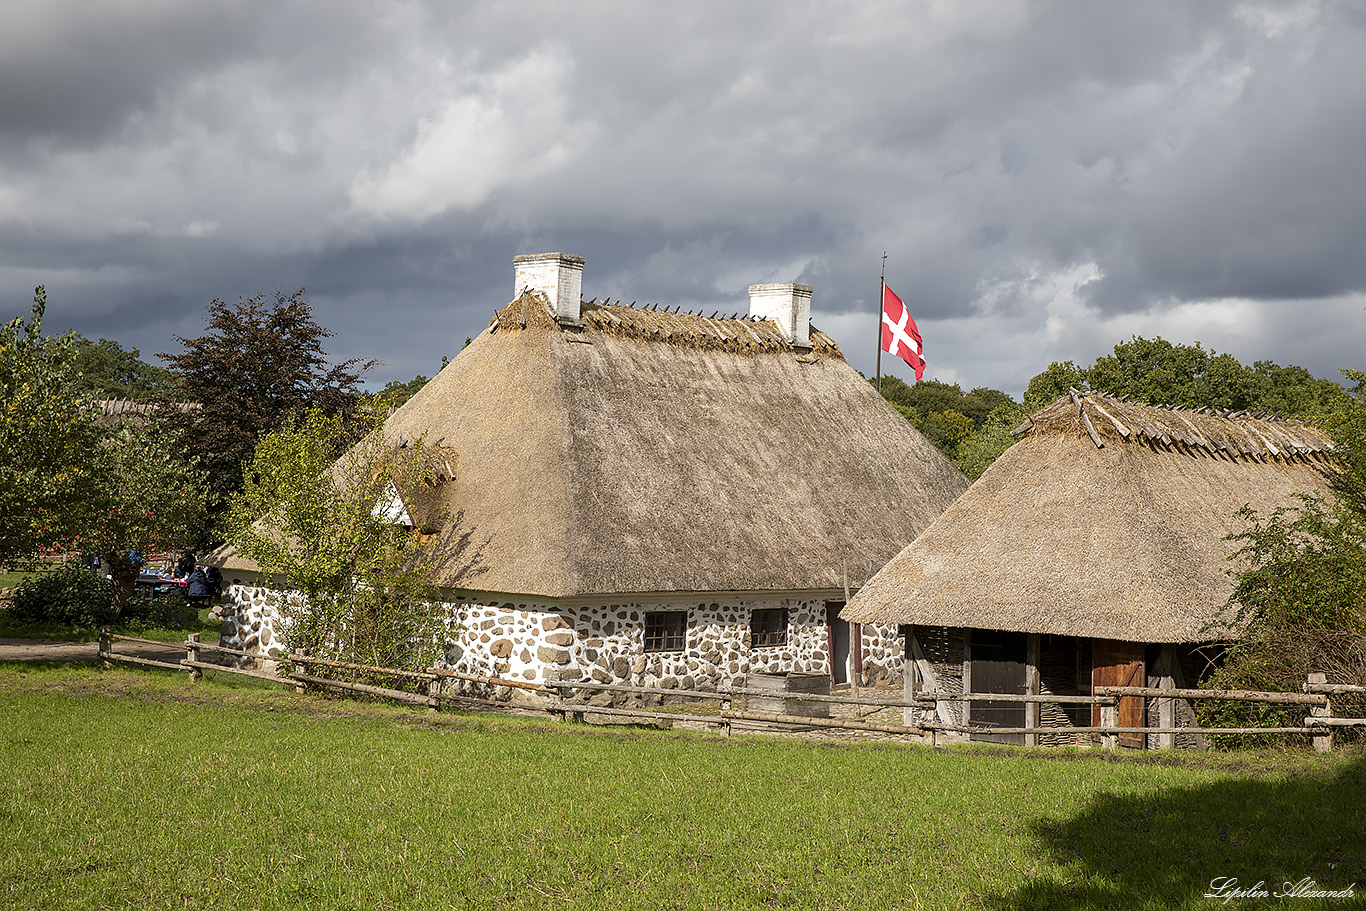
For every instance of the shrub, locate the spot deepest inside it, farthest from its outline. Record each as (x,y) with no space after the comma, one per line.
(170,611)
(69,596)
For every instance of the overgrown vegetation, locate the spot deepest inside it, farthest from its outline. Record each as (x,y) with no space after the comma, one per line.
(221,795)
(71,595)
(72,602)
(1303,594)
(330,519)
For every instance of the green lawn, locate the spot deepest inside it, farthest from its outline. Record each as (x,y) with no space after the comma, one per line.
(123,789)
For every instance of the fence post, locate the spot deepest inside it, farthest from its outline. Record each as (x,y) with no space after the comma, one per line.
(433,689)
(1032,709)
(1166,705)
(1109,718)
(192,654)
(106,646)
(1323,743)
(298,684)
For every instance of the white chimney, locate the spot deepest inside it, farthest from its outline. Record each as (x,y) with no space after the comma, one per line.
(786,304)
(558,277)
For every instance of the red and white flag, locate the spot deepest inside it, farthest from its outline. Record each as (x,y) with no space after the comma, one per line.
(899,334)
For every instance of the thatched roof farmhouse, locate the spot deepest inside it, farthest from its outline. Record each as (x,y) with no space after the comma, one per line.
(1096,548)
(638,493)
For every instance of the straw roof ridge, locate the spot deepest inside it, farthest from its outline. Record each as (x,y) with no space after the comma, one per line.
(736,332)
(1203,433)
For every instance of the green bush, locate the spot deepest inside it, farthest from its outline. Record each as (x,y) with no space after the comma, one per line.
(170,611)
(70,596)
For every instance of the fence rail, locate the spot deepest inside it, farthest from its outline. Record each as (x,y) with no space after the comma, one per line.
(1320,724)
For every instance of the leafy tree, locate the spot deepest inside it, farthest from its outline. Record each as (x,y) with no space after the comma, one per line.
(315,513)
(1158,372)
(44,436)
(949,417)
(259,361)
(983,446)
(1045,388)
(1303,593)
(146,500)
(396,393)
(110,371)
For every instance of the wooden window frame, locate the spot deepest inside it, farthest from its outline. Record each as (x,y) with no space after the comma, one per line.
(768,627)
(666,630)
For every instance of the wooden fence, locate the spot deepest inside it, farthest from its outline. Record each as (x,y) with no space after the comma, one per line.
(556,698)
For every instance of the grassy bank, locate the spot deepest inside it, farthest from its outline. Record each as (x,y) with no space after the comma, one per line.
(122,789)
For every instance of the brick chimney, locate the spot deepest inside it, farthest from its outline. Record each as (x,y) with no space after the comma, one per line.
(558,277)
(786,304)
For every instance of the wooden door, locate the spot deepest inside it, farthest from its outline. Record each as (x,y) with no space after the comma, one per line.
(1121,664)
(998,666)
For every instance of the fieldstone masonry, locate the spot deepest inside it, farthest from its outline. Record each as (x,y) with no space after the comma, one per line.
(542,641)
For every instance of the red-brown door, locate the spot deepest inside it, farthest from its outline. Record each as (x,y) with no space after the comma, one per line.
(1121,664)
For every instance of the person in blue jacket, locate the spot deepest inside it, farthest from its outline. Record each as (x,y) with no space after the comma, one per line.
(197,587)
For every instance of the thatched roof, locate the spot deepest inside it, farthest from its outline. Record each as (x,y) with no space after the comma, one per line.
(1107,519)
(653,451)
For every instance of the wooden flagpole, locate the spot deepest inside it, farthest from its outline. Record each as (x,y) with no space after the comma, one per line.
(881,297)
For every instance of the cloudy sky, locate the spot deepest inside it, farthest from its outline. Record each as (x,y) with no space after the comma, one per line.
(1047,178)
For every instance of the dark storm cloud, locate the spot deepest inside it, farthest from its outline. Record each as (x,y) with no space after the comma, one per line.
(1047,178)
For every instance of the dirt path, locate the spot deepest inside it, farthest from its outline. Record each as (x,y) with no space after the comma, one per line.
(41,650)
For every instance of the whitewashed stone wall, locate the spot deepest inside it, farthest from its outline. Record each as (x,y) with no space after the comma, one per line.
(541,641)
(251,619)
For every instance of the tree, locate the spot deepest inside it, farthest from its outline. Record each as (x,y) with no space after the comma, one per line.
(1302,593)
(44,436)
(320,515)
(258,362)
(1045,388)
(982,447)
(949,418)
(145,500)
(396,393)
(110,371)
(1158,372)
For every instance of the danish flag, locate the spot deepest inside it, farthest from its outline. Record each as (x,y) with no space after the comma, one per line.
(899,334)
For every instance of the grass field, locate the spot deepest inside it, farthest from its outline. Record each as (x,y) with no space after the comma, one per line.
(125,789)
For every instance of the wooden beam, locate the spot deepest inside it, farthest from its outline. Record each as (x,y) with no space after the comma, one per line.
(1033,645)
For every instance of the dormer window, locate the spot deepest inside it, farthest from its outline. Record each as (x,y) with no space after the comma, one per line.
(390,508)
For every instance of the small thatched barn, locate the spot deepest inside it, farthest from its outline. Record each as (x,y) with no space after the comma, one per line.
(1093,552)
(641,495)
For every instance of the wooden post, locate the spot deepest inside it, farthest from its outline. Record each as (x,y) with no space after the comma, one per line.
(106,644)
(192,654)
(967,675)
(910,678)
(433,691)
(298,684)
(1033,647)
(1324,742)
(1109,718)
(1166,706)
